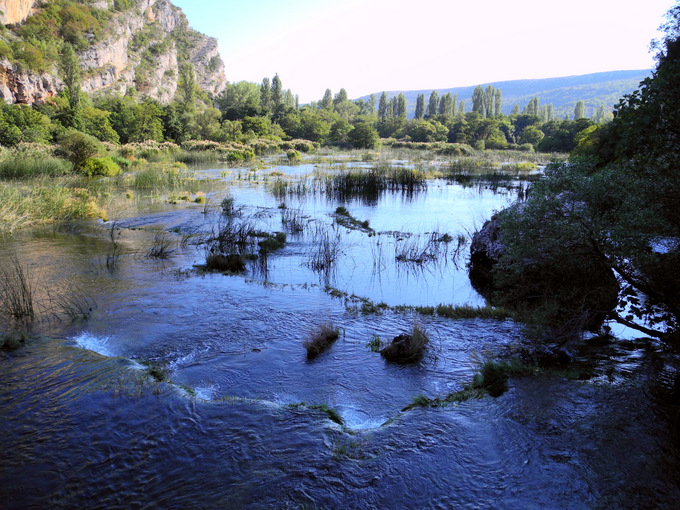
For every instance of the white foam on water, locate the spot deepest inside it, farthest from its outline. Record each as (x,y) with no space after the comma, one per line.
(100,345)
(206,392)
(356,419)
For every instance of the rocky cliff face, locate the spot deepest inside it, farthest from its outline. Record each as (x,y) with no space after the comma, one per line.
(15,11)
(143,50)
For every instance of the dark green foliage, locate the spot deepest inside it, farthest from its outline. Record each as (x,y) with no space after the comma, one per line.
(12,341)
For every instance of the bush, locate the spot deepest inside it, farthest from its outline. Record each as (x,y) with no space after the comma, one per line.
(101,166)
(78,147)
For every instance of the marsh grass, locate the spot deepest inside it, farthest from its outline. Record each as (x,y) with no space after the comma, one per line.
(225,263)
(17,290)
(293,220)
(11,341)
(161,246)
(74,304)
(344,218)
(407,348)
(30,167)
(471,312)
(320,339)
(323,257)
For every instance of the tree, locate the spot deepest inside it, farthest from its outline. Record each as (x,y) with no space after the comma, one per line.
(420,106)
(489,97)
(532,108)
(340,97)
(400,110)
(265,96)
(579,110)
(478,100)
(498,101)
(382,107)
(239,100)
(364,136)
(186,88)
(78,147)
(327,101)
(69,69)
(370,110)
(433,104)
(276,93)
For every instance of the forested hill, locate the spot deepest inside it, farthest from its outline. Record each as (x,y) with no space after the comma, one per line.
(595,90)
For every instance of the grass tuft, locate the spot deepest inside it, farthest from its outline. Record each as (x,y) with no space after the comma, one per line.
(321,339)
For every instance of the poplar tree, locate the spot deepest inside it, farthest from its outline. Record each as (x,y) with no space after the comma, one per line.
(461,108)
(478,100)
(433,104)
(265,95)
(498,101)
(382,107)
(340,97)
(400,106)
(420,106)
(70,73)
(277,92)
(489,95)
(327,101)
(371,105)
(579,110)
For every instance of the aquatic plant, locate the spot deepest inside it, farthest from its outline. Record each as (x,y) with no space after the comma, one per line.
(17,290)
(28,167)
(472,312)
(161,246)
(12,341)
(407,348)
(320,339)
(375,343)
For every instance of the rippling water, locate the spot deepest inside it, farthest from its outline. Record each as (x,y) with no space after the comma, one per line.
(83,424)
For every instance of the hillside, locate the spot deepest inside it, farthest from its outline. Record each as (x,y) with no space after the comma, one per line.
(595,89)
(124,46)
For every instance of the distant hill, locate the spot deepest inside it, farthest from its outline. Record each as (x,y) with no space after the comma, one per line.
(595,89)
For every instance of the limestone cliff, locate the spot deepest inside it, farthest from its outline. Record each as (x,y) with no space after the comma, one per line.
(15,11)
(143,48)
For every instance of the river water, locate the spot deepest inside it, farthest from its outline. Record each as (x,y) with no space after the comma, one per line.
(240,422)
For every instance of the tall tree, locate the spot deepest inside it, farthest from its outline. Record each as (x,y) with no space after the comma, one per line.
(478,100)
(370,109)
(400,106)
(265,95)
(327,101)
(340,97)
(420,106)
(70,74)
(489,96)
(579,110)
(433,104)
(277,92)
(186,88)
(498,101)
(382,107)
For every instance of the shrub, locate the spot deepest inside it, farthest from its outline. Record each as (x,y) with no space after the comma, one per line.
(78,147)
(100,166)
(321,339)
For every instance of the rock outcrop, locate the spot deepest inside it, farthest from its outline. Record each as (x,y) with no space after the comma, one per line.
(15,11)
(140,52)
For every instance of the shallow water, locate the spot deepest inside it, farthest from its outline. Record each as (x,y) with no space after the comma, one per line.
(85,426)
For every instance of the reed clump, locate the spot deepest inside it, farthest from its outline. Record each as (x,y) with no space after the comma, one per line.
(321,339)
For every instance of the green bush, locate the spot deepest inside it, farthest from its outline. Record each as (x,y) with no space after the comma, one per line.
(78,147)
(101,166)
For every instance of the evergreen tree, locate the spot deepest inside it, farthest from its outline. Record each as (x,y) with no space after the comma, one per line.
(433,104)
(420,106)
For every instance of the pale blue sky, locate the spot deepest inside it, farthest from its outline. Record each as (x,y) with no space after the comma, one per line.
(369,46)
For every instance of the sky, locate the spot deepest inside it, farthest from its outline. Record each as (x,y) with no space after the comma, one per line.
(370,46)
